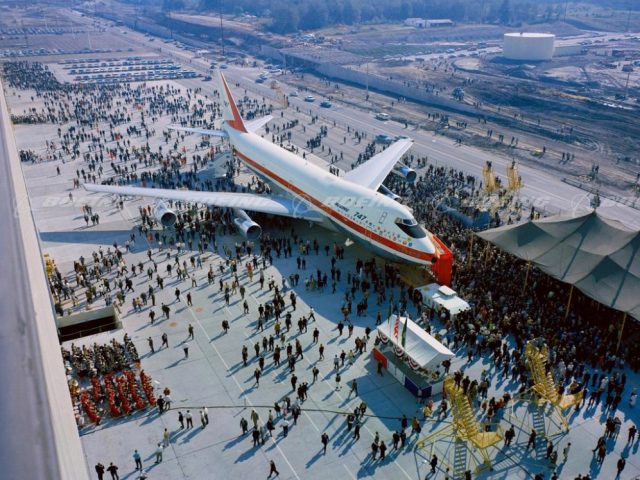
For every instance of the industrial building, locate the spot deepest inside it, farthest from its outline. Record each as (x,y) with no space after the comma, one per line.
(415,22)
(439,22)
(527,46)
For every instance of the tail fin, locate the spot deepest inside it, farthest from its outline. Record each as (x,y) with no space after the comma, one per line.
(230,112)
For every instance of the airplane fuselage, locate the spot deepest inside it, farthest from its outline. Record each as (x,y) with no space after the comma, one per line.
(362,214)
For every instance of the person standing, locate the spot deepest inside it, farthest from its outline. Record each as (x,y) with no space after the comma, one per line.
(285,427)
(433,463)
(165,437)
(383,450)
(396,440)
(181,420)
(354,387)
(191,332)
(273,469)
(325,440)
(374,450)
(202,419)
(159,453)
(244,425)
(356,430)
(189,419)
(602,452)
(185,347)
(620,465)
(509,435)
(100,470)
(113,470)
(549,449)
(137,459)
(205,411)
(532,439)
(565,451)
(150,341)
(165,340)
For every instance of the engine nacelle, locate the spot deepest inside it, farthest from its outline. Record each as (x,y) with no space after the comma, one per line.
(385,191)
(248,228)
(409,174)
(164,214)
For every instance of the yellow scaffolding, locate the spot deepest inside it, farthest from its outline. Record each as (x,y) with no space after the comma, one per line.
(514,180)
(465,428)
(545,390)
(489,177)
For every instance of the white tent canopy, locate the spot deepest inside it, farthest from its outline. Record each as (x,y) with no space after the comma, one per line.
(443,297)
(423,349)
(599,256)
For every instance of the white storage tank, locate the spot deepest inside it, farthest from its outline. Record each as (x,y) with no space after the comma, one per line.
(534,47)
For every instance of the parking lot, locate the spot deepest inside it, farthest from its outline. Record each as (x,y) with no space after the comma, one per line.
(113,70)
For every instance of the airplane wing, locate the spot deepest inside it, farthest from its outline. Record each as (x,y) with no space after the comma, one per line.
(372,172)
(286,207)
(255,125)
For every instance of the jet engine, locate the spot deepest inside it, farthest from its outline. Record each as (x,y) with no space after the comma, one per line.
(385,191)
(409,174)
(248,228)
(164,214)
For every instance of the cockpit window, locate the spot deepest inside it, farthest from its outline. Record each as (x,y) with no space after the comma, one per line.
(410,227)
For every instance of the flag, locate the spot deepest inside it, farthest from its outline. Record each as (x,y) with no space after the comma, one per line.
(404,331)
(396,327)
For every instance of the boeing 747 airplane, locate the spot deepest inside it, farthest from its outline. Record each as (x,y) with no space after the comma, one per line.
(356,204)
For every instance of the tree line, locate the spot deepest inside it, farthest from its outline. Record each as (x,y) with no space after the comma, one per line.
(289,16)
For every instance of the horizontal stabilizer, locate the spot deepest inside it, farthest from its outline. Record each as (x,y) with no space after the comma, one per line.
(202,131)
(255,125)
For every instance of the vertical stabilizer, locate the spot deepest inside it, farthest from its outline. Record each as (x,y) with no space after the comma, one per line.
(230,112)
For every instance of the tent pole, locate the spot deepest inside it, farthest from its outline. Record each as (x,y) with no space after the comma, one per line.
(470,253)
(566,312)
(526,276)
(624,320)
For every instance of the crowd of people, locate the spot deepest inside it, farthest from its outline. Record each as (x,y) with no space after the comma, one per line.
(109,128)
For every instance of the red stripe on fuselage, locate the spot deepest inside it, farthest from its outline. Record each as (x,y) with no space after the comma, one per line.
(412,252)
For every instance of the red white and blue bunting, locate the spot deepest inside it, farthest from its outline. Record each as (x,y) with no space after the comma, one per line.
(398,351)
(383,338)
(413,364)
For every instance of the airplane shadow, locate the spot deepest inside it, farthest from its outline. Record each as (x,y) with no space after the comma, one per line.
(89,237)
